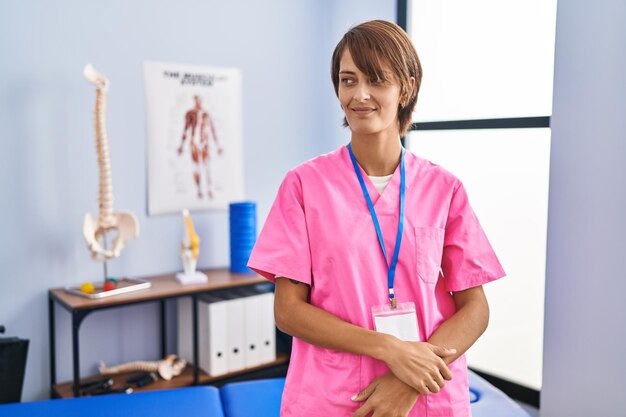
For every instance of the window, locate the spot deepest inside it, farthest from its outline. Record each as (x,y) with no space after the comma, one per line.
(483,113)
(484,59)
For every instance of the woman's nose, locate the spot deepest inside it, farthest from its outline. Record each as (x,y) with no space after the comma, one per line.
(362,92)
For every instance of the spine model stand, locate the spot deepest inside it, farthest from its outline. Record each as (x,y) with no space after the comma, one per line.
(124,223)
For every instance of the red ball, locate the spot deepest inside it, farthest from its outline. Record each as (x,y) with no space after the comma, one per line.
(108,286)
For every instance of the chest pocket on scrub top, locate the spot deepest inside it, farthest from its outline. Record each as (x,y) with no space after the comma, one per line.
(429,249)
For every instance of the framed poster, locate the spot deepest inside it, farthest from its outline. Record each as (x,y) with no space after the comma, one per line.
(194,132)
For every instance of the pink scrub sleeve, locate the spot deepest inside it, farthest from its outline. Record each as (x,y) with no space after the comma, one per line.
(282,248)
(468,258)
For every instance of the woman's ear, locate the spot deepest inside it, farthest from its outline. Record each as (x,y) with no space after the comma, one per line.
(404,98)
(411,88)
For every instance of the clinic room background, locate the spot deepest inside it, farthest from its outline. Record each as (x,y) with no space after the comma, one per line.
(531,98)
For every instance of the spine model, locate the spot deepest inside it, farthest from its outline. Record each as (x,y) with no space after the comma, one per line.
(124,223)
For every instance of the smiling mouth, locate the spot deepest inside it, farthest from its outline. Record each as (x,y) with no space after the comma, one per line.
(363,111)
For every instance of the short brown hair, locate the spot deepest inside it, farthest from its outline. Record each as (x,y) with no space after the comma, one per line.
(379,42)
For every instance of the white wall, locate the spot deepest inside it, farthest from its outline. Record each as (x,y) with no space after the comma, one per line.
(48,163)
(585,335)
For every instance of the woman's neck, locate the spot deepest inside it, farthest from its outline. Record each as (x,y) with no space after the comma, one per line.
(378,155)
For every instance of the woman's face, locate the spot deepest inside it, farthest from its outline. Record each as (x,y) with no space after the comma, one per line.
(371,106)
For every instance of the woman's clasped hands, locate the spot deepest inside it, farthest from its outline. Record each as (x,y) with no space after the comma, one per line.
(417,368)
(420,365)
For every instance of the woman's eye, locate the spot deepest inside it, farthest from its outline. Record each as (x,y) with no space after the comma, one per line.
(378,81)
(347,81)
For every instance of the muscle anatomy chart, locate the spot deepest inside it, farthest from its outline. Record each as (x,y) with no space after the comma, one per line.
(194,137)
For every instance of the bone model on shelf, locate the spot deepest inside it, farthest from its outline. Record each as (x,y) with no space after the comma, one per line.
(124,223)
(167,368)
(190,246)
(192,240)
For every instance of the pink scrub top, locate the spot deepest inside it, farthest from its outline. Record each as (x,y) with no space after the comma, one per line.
(320,232)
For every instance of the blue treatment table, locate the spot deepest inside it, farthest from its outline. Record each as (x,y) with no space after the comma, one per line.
(490,401)
(253,398)
(259,398)
(183,402)
(262,399)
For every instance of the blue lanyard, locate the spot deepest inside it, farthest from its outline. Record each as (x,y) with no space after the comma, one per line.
(391,272)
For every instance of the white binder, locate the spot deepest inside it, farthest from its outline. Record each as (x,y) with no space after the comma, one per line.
(252,331)
(212,333)
(235,331)
(267,327)
(235,357)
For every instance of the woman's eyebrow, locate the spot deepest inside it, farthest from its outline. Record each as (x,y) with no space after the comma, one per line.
(347,72)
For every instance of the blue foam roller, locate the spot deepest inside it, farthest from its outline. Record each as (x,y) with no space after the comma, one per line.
(242,207)
(239,251)
(235,229)
(245,227)
(244,217)
(240,269)
(242,234)
(239,238)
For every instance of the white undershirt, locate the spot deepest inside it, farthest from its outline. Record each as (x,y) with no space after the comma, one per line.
(380,182)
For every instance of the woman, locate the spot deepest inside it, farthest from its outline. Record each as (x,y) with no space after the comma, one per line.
(370,233)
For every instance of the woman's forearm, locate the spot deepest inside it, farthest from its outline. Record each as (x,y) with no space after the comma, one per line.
(300,319)
(418,365)
(469,322)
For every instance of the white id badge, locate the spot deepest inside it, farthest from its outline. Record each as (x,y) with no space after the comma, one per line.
(400,322)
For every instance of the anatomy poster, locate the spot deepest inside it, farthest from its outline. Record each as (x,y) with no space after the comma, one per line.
(195,157)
